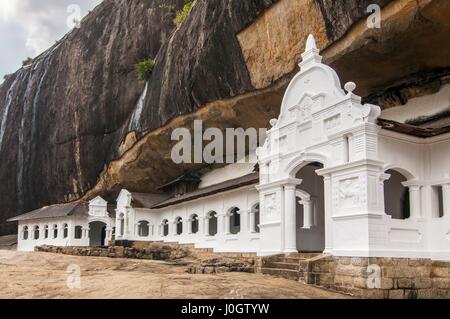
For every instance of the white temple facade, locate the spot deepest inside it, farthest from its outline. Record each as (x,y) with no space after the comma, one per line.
(331,179)
(385,194)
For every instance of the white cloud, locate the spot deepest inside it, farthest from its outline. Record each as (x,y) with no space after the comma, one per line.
(36,26)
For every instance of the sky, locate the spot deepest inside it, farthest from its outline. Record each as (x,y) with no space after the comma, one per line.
(29,27)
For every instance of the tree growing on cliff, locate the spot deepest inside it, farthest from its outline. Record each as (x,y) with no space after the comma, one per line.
(6,77)
(144,69)
(27,61)
(182,14)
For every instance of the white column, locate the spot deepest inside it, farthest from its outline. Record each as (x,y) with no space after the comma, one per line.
(308,214)
(173,231)
(245,226)
(328,214)
(383,178)
(201,226)
(226,223)
(118,228)
(109,231)
(290,221)
(446,199)
(252,221)
(206,226)
(185,227)
(85,232)
(126,230)
(414,201)
(189,226)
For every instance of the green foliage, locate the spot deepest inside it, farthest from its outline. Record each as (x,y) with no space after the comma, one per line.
(27,61)
(144,69)
(182,14)
(6,77)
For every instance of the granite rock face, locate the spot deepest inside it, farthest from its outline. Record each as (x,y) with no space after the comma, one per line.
(63,117)
(71,124)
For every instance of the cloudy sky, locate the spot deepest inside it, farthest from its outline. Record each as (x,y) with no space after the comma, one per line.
(28,27)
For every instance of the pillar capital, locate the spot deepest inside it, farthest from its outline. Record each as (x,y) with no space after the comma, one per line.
(384,177)
(290,187)
(280,183)
(413,185)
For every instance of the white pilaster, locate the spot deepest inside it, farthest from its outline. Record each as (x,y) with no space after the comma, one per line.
(290,219)
(446,199)
(226,224)
(252,224)
(308,214)
(206,225)
(189,225)
(328,214)
(414,200)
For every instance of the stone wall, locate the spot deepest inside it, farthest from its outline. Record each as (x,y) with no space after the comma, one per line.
(198,261)
(152,251)
(221,264)
(392,278)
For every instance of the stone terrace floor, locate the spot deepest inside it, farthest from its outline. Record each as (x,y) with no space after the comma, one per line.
(43,275)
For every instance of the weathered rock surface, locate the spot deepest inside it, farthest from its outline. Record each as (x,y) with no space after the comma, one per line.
(269,47)
(62,118)
(198,261)
(229,63)
(21,277)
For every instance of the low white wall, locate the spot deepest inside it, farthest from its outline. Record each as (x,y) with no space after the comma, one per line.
(30,243)
(426,161)
(245,241)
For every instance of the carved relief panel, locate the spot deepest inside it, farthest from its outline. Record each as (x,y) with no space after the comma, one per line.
(272,208)
(350,193)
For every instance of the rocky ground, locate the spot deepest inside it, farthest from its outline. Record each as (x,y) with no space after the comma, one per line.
(44,275)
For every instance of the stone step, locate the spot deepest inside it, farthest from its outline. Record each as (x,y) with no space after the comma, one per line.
(283,273)
(303,255)
(281,265)
(288,260)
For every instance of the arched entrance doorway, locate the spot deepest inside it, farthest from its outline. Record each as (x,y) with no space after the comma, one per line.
(396,196)
(310,212)
(97,234)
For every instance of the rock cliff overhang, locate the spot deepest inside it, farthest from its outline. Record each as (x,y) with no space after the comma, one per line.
(405,58)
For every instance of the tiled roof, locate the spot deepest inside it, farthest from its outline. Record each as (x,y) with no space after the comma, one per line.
(141,200)
(54,211)
(211,190)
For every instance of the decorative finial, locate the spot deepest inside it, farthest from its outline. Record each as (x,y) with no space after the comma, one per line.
(310,43)
(350,87)
(273,122)
(311,56)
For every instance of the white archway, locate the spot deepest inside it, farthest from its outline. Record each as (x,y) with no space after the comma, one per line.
(319,122)
(97,234)
(310,209)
